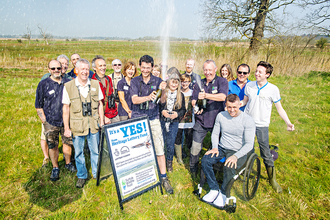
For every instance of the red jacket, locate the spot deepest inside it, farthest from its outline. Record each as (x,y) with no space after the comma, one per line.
(108,112)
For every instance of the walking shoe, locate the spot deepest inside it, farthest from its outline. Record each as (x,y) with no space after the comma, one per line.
(220,201)
(166,184)
(211,196)
(80,183)
(55,174)
(45,162)
(70,167)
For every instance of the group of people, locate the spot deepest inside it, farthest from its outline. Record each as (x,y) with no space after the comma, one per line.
(77,104)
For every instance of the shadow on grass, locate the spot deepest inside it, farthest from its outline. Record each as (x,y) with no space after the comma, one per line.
(324,75)
(53,195)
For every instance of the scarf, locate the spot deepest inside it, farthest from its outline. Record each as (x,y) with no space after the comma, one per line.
(171,98)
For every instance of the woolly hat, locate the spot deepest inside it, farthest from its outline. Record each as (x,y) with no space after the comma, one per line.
(173,73)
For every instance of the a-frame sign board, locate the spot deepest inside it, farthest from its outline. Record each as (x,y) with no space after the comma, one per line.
(127,148)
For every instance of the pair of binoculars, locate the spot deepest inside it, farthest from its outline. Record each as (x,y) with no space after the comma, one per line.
(86,109)
(111,101)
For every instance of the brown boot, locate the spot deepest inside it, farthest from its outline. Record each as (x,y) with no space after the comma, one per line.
(272,179)
(169,166)
(178,152)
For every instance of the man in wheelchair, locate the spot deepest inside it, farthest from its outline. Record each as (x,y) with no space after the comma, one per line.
(237,137)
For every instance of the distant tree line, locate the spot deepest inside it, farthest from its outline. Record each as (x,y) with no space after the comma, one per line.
(251,18)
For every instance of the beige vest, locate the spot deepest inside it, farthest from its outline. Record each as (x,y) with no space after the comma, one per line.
(80,124)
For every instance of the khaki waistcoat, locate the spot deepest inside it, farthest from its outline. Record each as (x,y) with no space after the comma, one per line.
(80,124)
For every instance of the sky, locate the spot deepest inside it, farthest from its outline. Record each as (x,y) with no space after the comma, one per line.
(105,18)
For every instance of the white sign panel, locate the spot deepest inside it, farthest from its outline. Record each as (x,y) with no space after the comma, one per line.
(133,157)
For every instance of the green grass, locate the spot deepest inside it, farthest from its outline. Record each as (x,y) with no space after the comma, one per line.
(302,168)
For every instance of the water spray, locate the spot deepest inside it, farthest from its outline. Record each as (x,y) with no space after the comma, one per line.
(165,35)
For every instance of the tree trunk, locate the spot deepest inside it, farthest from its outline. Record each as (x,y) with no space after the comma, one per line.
(259,25)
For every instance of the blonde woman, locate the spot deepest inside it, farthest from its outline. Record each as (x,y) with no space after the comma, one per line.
(157,71)
(172,109)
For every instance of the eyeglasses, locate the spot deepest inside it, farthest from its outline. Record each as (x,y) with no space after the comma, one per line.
(54,68)
(241,72)
(185,82)
(117,64)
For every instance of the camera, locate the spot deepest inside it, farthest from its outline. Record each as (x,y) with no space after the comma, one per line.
(86,108)
(144,105)
(111,101)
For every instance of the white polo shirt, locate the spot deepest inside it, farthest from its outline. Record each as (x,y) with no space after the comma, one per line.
(259,106)
(83,91)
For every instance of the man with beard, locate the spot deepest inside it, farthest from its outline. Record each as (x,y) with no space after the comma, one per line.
(49,108)
(190,64)
(64,60)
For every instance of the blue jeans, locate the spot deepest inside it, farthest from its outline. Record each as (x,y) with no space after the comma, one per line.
(169,138)
(228,173)
(263,141)
(93,143)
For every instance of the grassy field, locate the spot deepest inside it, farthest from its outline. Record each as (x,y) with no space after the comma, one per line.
(26,191)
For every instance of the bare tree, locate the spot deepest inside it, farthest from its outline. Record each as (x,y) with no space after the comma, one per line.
(27,35)
(249,18)
(319,16)
(43,32)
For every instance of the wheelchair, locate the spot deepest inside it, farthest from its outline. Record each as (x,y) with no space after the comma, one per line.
(248,174)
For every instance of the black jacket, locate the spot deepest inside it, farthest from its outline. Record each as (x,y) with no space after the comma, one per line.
(181,111)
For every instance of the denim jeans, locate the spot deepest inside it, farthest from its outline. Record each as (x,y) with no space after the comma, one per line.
(169,138)
(93,143)
(228,173)
(263,141)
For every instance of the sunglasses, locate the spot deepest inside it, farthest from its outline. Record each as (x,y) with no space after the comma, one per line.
(241,72)
(54,68)
(117,64)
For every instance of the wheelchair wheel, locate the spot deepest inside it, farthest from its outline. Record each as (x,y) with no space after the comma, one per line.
(251,177)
